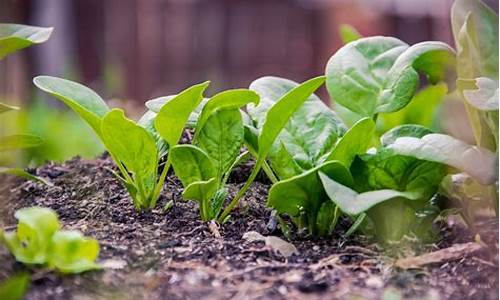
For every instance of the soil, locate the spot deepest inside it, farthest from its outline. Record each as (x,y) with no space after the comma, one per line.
(174,255)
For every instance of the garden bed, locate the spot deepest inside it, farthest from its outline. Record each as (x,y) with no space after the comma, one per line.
(174,255)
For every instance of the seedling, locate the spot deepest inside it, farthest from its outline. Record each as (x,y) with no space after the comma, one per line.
(205,166)
(38,240)
(132,147)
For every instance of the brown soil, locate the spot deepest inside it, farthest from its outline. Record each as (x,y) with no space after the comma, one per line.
(174,255)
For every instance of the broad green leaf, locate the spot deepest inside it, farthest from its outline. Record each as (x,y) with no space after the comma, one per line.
(304,193)
(308,134)
(85,102)
(348,33)
(485,94)
(191,164)
(353,203)
(173,115)
(284,164)
(5,107)
(30,242)
(14,37)
(380,74)
(19,141)
(156,104)
(200,190)
(133,146)
(404,130)
(422,110)
(71,252)
(14,287)
(22,173)
(221,138)
(147,122)
(384,169)
(226,100)
(355,141)
(478,162)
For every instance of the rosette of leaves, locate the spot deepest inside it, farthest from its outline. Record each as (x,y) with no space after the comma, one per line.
(134,147)
(38,240)
(313,140)
(204,166)
(394,184)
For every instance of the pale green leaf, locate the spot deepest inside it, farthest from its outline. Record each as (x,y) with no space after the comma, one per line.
(22,173)
(5,107)
(71,252)
(85,102)
(14,37)
(348,33)
(14,287)
(173,115)
(19,141)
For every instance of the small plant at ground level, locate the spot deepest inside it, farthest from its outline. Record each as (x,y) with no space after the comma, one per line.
(205,166)
(14,287)
(38,240)
(133,147)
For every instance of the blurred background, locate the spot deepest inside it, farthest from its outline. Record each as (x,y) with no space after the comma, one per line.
(130,51)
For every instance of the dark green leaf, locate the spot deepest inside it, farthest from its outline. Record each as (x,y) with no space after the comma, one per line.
(191,164)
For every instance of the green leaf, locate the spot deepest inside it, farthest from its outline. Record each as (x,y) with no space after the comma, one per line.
(327,218)
(203,192)
(22,173)
(348,33)
(478,162)
(156,104)
(221,138)
(71,252)
(173,115)
(5,107)
(85,102)
(310,132)
(14,37)
(30,242)
(19,141)
(404,130)
(133,146)
(304,193)
(147,122)
(226,100)
(353,203)
(191,164)
(355,141)
(380,74)
(423,110)
(15,287)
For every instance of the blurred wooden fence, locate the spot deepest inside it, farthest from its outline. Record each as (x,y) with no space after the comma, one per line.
(142,49)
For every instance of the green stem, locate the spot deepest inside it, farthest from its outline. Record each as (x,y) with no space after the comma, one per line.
(269,172)
(241,192)
(159,184)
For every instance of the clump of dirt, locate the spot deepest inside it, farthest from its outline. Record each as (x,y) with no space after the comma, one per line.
(172,254)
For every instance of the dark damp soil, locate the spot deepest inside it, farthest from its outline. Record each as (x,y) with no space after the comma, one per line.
(174,255)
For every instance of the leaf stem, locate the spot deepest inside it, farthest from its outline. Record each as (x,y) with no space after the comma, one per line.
(159,184)
(241,192)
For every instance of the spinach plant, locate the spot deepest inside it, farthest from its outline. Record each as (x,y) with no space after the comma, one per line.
(132,147)
(204,167)
(38,240)
(379,74)
(395,183)
(276,118)
(14,37)
(312,140)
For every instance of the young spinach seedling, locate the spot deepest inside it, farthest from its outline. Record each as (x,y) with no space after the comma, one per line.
(132,147)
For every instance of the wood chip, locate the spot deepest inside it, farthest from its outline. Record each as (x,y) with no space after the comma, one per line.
(454,252)
(274,243)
